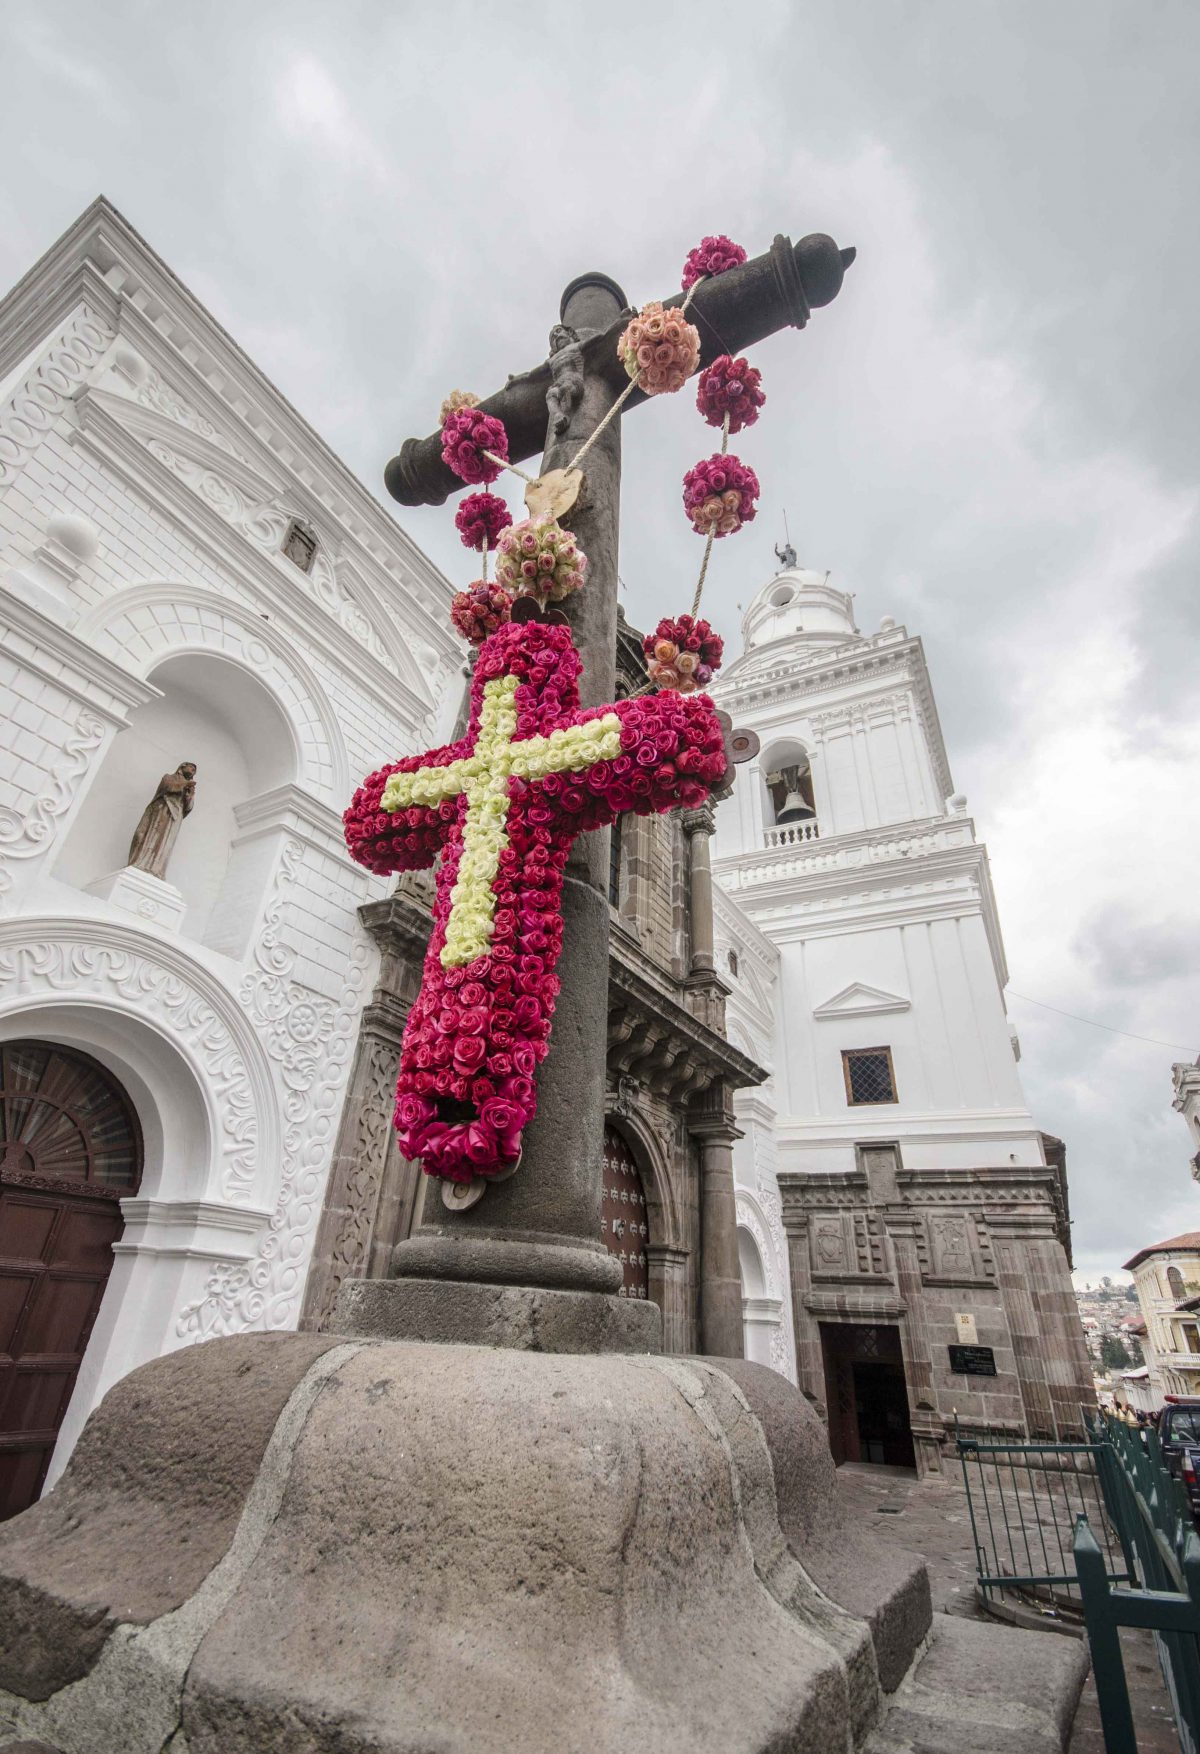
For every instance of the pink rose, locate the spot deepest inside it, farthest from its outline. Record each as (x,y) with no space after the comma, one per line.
(469,1052)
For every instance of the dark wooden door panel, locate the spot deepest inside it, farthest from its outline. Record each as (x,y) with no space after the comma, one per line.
(70,1147)
(26,1221)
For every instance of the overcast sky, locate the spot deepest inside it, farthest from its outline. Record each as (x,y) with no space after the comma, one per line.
(991,435)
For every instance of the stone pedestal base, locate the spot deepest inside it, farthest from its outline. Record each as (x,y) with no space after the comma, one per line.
(140,894)
(523,1317)
(305,1543)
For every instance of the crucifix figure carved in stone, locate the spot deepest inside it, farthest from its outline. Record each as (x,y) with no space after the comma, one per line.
(539,1231)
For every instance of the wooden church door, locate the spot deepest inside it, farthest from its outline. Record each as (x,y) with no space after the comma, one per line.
(70,1150)
(623,1223)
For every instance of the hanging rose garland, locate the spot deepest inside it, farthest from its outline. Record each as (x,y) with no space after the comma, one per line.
(730,389)
(468,434)
(719,495)
(454,401)
(480,518)
(480,610)
(659,349)
(683,653)
(538,558)
(711,256)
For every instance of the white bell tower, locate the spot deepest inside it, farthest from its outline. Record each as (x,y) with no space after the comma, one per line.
(846,849)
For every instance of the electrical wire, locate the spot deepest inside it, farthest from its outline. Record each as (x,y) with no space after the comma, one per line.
(1176,1046)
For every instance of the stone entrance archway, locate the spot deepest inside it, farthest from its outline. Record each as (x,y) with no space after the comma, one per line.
(70,1150)
(867,1394)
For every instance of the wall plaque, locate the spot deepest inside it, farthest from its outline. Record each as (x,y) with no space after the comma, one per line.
(972,1361)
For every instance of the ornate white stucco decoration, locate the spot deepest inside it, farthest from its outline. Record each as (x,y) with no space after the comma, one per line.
(185,618)
(24,836)
(155,393)
(310,1041)
(765,1225)
(61,959)
(266,525)
(39,402)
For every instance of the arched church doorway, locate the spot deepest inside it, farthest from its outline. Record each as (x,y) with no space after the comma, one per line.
(70,1150)
(623,1220)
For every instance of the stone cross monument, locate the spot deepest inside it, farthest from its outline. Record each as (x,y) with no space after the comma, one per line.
(539,1232)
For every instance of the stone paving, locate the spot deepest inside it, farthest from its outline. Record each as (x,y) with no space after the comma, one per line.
(932,1519)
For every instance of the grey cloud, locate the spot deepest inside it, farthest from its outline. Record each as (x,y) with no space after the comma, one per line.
(382,203)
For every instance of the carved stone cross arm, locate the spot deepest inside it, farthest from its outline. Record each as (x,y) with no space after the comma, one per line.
(733,310)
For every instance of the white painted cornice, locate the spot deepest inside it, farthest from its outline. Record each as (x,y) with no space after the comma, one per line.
(753,694)
(298,814)
(85,674)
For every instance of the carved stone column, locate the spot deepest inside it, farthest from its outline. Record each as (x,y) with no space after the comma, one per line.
(721,1334)
(698,826)
(372,1190)
(810,1365)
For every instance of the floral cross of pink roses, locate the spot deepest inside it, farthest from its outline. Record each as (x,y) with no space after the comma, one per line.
(502,806)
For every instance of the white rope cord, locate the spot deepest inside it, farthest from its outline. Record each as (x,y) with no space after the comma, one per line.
(501,464)
(627,392)
(484,546)
(616,408)
(711,534)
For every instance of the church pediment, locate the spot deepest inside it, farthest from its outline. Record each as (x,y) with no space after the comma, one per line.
(860,1000)
(151,425)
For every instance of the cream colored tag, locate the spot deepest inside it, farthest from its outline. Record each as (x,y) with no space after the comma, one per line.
(552,495)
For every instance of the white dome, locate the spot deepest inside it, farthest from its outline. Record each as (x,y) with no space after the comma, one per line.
(800,605)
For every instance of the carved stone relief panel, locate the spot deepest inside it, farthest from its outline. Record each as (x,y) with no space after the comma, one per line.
(830,1246)
(954,1248)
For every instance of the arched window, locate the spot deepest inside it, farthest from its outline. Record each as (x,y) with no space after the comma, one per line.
(70,1149)
(790,800)
(1175,1281)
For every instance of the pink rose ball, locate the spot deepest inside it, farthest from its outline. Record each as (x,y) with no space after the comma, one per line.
(711,256)
(538,558)
(454,401)
(480,518)
(659,349)
(466,434)
(730,387)
(719,495)
(480,610)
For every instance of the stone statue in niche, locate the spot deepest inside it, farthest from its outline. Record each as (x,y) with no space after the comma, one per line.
(566,372)
(156,833)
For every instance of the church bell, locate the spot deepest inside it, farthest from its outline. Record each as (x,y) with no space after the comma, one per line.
(795,809)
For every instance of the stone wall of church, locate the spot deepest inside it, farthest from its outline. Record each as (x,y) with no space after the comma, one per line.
(943,1259)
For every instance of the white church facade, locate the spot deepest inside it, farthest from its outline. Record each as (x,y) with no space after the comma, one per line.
(890,1176)
(187,574)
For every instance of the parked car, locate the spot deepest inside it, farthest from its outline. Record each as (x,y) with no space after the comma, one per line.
(1179,1435)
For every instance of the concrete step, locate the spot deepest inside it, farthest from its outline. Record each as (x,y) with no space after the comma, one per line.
(989,1688)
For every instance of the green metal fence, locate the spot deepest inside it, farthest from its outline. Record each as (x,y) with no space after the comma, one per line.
(1102,1533)
(1024,1501)
(1151,1509)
